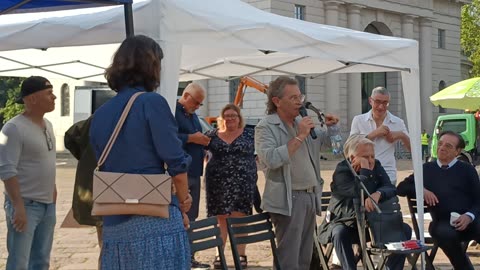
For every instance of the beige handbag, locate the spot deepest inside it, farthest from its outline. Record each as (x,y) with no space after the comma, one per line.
(129,194)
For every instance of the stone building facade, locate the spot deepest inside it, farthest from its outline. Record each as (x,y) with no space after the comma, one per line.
(435,24)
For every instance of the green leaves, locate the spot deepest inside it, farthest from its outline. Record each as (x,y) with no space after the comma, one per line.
(470,35)
(9,92)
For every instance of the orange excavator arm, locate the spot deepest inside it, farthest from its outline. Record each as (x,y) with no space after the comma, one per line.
(241,89)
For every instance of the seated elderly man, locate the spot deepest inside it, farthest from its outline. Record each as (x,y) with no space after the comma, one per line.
(450,186)
(339,226)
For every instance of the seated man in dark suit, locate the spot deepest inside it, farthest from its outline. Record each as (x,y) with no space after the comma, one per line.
(450,186)
(339,226)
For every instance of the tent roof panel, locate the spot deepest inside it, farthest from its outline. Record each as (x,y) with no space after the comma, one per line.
(17,6)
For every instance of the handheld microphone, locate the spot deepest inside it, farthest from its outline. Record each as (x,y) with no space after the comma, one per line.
(303,113)
(321,116)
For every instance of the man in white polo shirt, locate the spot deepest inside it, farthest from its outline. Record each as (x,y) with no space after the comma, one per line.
(27,168)
(383,128)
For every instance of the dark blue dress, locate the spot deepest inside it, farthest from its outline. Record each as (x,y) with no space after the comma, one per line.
(231,174)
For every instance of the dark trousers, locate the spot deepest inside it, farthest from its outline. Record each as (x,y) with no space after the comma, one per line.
(449,240)
(424,151)
(194,187)
(344,237)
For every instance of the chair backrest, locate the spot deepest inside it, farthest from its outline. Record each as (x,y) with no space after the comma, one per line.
(412,208)
(205,234)
(326,196)
(251,229)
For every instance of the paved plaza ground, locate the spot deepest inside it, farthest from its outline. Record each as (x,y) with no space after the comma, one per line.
(76,248)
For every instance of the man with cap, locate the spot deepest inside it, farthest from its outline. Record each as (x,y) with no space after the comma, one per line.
(27,168)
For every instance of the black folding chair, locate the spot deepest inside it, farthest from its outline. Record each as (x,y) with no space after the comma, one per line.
(205,234)
(429,257)
(251,229)
(322,253)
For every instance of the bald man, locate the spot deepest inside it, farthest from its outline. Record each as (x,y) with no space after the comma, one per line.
(27,168)
(190,133)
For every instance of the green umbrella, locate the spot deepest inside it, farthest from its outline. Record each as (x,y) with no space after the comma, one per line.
(464,95)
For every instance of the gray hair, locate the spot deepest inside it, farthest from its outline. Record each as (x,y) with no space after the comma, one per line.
(352,143)
(194,88)
(277,89)
(380,90)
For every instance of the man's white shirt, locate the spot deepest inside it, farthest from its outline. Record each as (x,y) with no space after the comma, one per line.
(384,150)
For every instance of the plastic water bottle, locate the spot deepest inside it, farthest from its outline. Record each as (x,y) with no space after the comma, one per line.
(335,139)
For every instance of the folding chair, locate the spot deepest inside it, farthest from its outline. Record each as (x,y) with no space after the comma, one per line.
(321,254)
(204,234)
(251,229)
(429,257)
(390,219)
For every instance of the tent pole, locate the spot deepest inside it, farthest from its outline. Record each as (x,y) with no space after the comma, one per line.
(128,10)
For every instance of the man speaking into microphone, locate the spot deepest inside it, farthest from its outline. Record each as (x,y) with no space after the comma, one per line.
(287,145)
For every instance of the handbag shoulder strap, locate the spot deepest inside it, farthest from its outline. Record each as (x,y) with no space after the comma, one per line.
(115,132)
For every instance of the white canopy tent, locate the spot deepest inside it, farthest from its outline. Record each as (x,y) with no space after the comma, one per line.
(209,39)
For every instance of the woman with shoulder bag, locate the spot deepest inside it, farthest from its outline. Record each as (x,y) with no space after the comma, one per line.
(146,144)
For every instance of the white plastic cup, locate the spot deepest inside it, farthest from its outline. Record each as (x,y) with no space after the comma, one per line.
(453,217)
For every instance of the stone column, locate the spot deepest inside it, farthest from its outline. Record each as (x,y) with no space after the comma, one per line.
(332,83)
(354,80)
(426,72)
(407,26)
(407,32)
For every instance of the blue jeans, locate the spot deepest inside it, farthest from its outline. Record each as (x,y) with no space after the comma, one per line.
(30,249)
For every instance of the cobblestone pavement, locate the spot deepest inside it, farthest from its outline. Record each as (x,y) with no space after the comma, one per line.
(76,248)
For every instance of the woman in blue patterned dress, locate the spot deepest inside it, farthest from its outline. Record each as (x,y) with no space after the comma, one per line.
(231,173)
(146,144)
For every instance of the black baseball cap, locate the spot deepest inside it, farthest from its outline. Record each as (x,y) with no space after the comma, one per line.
(31,85)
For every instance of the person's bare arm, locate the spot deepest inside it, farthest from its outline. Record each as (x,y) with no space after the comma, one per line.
(198,138)
(180,181)
(399,135)
(381,131)
(304,127)
(19,220)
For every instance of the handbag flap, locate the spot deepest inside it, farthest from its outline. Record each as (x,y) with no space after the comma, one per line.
(111,187)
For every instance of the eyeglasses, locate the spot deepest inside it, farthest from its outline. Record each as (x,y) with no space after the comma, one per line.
(300,98)
(381,102)
(197,103)
(48,139)
(232,116)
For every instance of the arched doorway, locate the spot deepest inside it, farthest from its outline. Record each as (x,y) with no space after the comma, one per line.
(373,79)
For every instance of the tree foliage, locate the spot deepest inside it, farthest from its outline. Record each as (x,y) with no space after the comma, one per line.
(9,92)
(470,35)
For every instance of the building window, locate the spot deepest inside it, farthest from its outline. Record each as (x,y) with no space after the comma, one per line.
(441,38)
(181,87)
(65,100)
(300,12)
(441,86)
(370,81)
(301,84)
(233,89)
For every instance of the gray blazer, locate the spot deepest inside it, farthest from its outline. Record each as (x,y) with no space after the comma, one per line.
(271,138)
